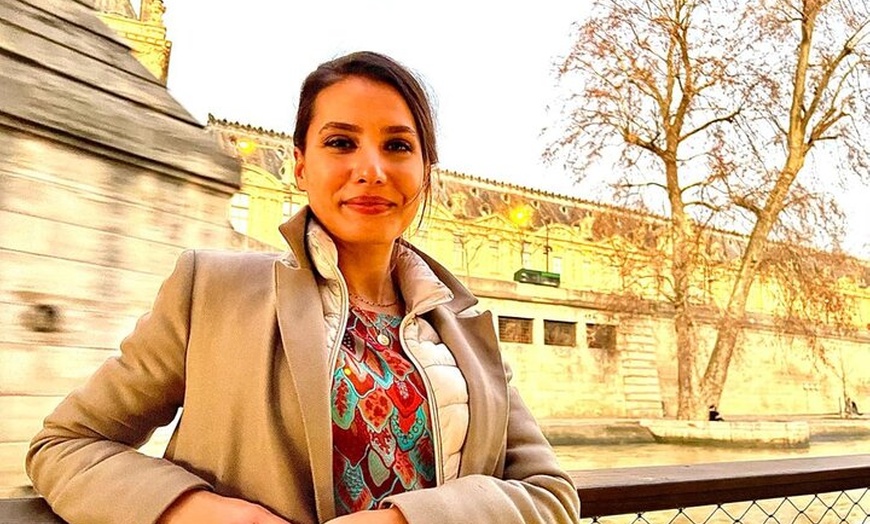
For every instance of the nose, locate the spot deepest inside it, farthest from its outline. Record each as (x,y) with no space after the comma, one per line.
(370,169)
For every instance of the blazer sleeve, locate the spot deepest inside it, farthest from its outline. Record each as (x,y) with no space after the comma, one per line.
(532,490)
(84,461)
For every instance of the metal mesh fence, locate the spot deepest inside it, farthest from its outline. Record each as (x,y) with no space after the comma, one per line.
(842,507)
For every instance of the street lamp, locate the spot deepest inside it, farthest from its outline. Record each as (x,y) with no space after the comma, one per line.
(521,216)
(261,157)
(245,147)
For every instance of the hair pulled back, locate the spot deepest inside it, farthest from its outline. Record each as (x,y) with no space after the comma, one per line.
(378,68)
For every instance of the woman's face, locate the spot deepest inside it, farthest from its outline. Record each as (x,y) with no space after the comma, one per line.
(363,165)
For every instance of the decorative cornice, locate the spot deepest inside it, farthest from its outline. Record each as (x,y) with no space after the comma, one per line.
(495,185)
(541,193)
(262,131)
(121,8)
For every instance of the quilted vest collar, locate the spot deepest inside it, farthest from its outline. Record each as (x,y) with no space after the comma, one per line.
(423,282)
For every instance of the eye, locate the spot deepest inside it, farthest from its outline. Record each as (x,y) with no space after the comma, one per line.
(399,145)
(341,143)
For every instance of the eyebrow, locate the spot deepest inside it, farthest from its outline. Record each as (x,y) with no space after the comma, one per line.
(343,126)
(399,129)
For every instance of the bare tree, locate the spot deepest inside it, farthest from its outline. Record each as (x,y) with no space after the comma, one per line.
(713,109)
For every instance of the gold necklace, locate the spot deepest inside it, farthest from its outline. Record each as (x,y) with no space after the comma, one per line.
(373,304)
(363,314)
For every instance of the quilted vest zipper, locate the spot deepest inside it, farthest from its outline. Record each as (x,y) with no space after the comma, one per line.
(437,444)
(433,406)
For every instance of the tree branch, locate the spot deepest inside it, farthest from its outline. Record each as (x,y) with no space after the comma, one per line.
(727,118)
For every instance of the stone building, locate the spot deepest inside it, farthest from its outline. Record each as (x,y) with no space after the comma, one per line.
(104,179)
(546,265)
(144,32)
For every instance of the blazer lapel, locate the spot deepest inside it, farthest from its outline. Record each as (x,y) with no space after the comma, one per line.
(474,345)
(301,324)
(487,386)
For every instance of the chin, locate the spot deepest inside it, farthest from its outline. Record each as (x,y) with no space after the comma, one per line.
(373,238)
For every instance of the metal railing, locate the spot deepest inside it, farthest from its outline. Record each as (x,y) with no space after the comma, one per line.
(805,491)
(840,507)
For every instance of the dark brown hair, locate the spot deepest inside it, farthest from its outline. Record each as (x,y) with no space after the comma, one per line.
(378,68)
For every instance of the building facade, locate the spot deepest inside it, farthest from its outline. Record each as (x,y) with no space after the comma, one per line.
(144,32)
(549,266)
(553,269)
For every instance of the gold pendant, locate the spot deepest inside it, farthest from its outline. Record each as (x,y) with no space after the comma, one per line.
(383,339)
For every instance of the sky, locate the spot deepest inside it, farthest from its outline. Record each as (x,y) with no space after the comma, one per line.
(488,65)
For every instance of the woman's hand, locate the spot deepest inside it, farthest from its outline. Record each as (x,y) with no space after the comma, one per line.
(201,506)
(375,516)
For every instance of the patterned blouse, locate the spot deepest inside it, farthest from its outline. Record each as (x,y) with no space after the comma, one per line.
(381,428)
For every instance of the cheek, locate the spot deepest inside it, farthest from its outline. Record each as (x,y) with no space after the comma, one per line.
(412,187)
(321,184)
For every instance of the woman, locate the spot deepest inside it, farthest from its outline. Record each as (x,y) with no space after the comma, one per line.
(347,381)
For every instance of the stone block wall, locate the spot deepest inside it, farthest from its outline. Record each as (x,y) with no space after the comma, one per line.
(85,241)
(573,381)
(773,373)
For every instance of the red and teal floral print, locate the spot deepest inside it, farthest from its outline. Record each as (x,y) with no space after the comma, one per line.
(381,430)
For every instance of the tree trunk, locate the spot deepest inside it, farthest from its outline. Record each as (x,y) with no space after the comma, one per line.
(681,270)
(732,320)
(688,407)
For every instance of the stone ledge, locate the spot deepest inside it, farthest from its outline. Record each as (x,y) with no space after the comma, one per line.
(824,430)
(794,434)
(561,432)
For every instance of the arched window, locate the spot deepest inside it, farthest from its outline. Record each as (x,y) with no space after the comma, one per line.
(239,207)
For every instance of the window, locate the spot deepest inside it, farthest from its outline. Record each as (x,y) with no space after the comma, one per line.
(239,205)
(295,207)
(558,333)
(601,336)
(290,208)
(557,265)
(494,259)
(458,251)
(527,255)
(514,329)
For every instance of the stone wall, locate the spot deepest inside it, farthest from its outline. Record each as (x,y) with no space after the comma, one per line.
(773,374)
(86,241)
(104,179)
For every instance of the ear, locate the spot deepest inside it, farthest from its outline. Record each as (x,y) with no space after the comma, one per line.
(299,169)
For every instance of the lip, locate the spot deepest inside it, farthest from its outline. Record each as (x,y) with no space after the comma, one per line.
(369,205)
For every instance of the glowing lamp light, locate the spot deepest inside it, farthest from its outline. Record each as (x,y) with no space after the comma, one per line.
(521,215)
(246,147)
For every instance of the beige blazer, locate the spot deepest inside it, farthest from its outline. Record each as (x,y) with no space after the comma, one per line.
(237,339)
